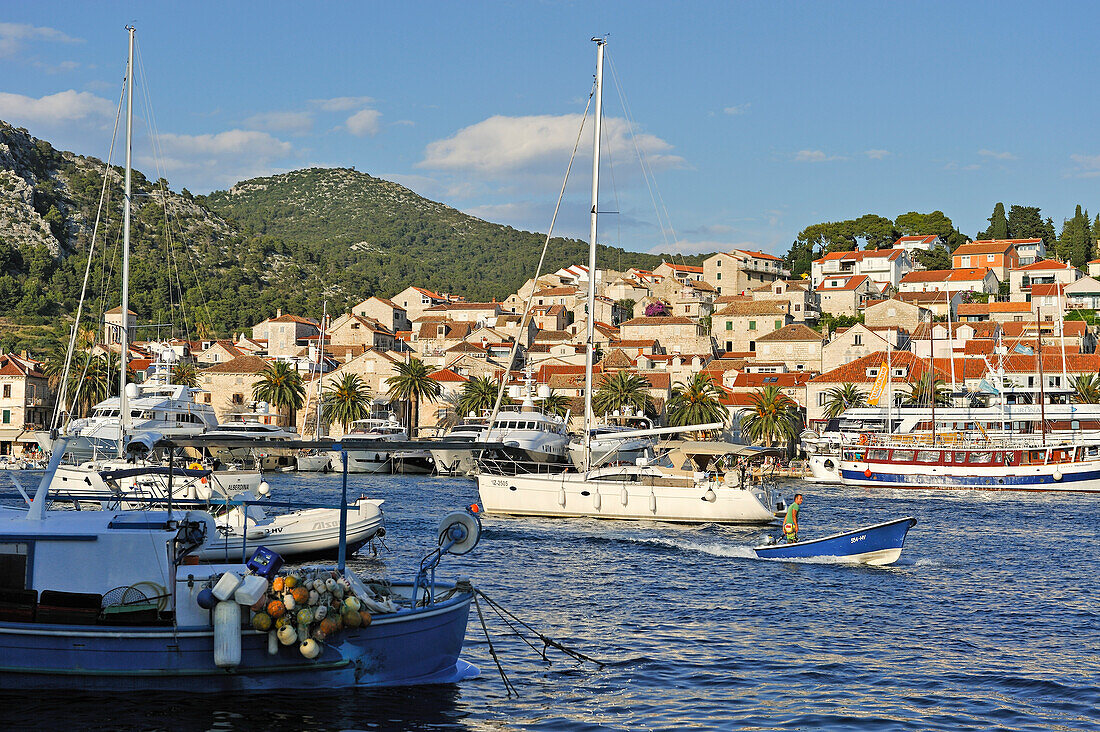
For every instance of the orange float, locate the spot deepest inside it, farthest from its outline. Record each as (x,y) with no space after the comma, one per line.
(276,609)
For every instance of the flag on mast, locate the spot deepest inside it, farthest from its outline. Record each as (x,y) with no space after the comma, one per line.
(880,384)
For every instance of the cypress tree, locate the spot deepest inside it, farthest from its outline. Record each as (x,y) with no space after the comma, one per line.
(998,224)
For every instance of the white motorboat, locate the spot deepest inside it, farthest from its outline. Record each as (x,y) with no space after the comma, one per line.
(692,482)
(256,428)
(311,461)
(369,460)
(459,461)
(104,479)
(624,438)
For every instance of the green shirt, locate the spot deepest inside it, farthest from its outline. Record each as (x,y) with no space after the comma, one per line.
(792,515)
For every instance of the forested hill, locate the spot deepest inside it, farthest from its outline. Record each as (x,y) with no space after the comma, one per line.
(221,263)
(371,235)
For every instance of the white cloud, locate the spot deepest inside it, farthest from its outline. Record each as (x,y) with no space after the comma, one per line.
(517,146)
(61,107)
(996,155)
(738,108)
(877,154)
(204,162)
(14,35)
(298,123)
(364,122)
(815,156)
(1088,166)
(341,104)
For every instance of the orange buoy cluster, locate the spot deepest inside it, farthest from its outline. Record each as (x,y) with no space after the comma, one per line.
(306,608)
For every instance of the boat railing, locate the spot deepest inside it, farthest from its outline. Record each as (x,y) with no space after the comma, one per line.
(960,442)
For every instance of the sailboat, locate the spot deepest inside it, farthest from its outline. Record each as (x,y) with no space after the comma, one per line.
(314,461)
(113,600)
(704,482)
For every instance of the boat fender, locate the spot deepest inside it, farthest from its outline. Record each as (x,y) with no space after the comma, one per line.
(867,473)
(289,602)
(1057,474)
(302,634)
(314,597)
(624,496)
(310,648)
(227,585)
(652,502)
(227,635)
(322,611)
(272,642)
(203,491)
(288,635)
(206,599)
(561,497)
(264,488)
(319,587)
(596,500)
(330,585)
(710,496)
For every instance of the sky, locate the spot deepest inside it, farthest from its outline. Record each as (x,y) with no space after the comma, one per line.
(754,119)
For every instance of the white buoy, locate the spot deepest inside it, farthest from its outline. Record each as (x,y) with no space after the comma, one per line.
(710,495)
(272,643)
(1057,474)
(624,496)
(310,648)
(596,500)
(227,634)
(652,502)
(263,488)
(561,498)
(288,635)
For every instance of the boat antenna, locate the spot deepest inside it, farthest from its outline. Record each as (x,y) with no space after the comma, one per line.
(589,351)
(123,339)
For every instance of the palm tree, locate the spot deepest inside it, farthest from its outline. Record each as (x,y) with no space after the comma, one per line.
(411,384)
(478,394)
(346,402)
(698,401)
(1086,389)
(558,404)
(921,391)
(281,386)
(184,373)
(841,398)
(622,389)
(772,417)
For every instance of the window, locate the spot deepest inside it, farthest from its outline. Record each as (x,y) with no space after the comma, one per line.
(928,456)
(872,373)
(899,372)
(799,367)
(6,416)
(903,456)
(729,346)
(719,275)
(857,340)
(797,307)
(989,257)
(7,391)
(778,290)
(891,312)
(821,399)
(719,263)
(206,398)
(965,261)
(729,325)
(778,324)
(752,325)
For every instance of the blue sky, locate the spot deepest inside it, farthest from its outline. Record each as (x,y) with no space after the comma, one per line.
(757,119)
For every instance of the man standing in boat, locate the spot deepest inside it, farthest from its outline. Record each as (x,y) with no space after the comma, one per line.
(790,521)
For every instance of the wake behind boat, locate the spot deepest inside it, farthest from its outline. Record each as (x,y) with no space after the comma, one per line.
(877,545)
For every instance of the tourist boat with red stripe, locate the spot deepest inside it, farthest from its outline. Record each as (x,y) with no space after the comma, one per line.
(1022,464)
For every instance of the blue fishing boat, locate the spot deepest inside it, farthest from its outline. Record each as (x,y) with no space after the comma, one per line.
(879,544)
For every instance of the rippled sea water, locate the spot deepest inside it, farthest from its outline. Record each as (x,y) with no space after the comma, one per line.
(990,621)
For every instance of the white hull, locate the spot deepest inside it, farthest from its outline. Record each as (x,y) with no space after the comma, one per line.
(85,480)
(824,469)
(362,461)
(292,534)
(570,495)
(454,462)
(313,463)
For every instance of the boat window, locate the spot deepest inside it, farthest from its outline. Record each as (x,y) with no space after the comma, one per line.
(903,455)
(877,454)
(928,456)
(13,565)
(1036,456)
(1092,451)
(980,458)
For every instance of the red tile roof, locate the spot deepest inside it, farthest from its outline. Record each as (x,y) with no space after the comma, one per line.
(683,268)
(791,333)
(861,254)
(758,255)
(969,274)
(985,246)
(239,365)
(1047,290)
(916,239)
(1044,264)
(1006,307)
(850,283)
(447,375)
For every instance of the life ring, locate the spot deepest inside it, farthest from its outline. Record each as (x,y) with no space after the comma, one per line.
(863,438)
(195,466)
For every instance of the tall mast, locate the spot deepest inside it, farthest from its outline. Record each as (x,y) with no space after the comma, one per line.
(124,336)
(320,369)
(932,367)
(1042,378)
(590,336)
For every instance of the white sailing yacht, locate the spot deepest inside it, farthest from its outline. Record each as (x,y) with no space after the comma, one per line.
(704,482)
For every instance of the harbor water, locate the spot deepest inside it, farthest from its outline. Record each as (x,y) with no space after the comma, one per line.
(989,621)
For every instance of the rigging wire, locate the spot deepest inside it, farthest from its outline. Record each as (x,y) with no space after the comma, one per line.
(104,195)
(538,270)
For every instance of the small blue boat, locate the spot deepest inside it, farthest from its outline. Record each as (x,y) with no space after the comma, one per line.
(879,544)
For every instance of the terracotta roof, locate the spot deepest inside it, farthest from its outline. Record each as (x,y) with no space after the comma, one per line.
(118,311)
(916,239)
(1006,307)
(465,347)
(994,246)
(855,372)
(553,291)
(850,283)
(239,365)
(973,308)
(451,329)
(981,329)
(386,301)
(791,285)
(293,319)
(11,365)
(1072,328)
(1046,290)
(924,298)
(1044,264)
(757,380)
(754,307)
(758,255)
(429,293)
(1013,242)
(726,299)
(682,267)
(790,333)
(659,320)
(463,306)
(967,274)
(616,358)
(979,348)
(553,335)
(860,255)
(447,375)
(634,343)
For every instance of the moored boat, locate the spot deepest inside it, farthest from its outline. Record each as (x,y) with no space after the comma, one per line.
(878,545)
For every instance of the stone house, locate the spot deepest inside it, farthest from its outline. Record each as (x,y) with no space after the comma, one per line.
(738,325)
(741,270)
(905,368)
(848,344)
(883,266)
(973,279)
(112,321)
(26,404)
(1045,272)
(998,255)
(468,312)
(678,333)
(895,313)
(796,346)
(939,303)
(680,272)
(1083,294)
(285,334)
(227,386)
(803,300)
(415,300)
(843,295)
(386,312)
(220,351)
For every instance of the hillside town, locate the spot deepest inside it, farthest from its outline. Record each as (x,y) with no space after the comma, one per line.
(740,319)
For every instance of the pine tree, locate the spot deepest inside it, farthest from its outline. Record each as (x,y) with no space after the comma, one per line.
(1094,239)
(998,224)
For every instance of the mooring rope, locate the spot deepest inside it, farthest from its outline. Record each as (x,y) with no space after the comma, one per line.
(508,686)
